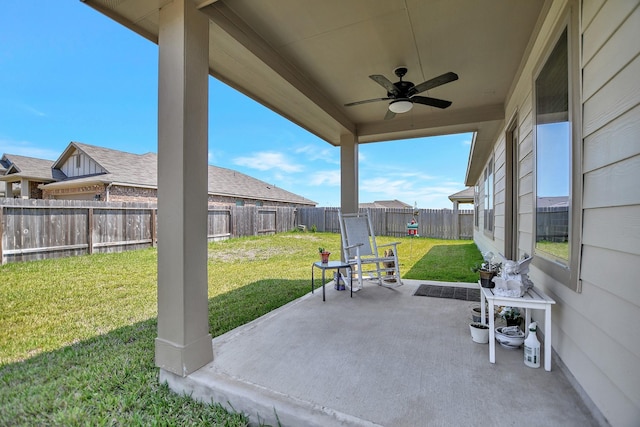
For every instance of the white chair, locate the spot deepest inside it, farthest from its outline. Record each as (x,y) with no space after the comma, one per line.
(360,250)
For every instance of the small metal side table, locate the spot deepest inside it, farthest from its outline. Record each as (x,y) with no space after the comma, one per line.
(331,265)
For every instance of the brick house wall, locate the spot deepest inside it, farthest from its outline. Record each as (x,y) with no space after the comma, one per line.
(119,193)
(83,190)
(34,191)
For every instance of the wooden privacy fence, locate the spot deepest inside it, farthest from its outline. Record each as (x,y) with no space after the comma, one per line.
(436,223)
(39,229)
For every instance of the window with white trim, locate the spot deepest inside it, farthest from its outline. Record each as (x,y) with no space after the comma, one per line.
(557,153)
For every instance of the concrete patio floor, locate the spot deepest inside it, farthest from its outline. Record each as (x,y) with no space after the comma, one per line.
(381,358)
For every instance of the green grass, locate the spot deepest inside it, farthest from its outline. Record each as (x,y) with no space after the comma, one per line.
(77,334)
(557,249)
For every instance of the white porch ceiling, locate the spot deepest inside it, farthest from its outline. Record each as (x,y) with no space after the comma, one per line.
(305,59)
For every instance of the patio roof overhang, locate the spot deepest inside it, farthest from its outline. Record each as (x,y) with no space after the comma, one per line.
(305,60)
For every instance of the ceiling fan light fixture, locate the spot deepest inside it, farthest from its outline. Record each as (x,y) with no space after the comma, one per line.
(400,106)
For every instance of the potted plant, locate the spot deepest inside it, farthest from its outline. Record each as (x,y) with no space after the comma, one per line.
(488,269)
(324,255)
(511,315)
(479,332)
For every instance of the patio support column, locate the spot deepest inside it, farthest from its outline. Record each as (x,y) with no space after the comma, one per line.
(24,188)
(348,173)
(183,344)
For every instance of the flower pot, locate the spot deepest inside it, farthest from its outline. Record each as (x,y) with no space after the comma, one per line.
(324,257)
(479,333)
(476,314)
(514,322)
(486,279)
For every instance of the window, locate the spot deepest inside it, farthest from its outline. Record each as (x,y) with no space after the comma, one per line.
(239,202)
(488,198)
(476,206)
(557,154)
(78,161)
(553,155)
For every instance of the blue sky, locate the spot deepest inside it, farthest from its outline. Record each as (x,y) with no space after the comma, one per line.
(68,73)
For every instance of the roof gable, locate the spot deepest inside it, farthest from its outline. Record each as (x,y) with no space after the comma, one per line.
(30,168)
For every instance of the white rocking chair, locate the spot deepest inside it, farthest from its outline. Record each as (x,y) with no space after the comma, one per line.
(360,250)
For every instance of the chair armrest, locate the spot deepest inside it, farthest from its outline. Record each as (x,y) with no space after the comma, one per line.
(394,244)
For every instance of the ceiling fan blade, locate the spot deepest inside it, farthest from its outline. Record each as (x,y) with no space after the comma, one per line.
(366,101)
(385,83)
(390,115)
(433,102)
(434,82)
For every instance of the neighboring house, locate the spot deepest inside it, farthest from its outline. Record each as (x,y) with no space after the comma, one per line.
(97,173)
(570,144)
(465,196)
(391,204)
(26,174)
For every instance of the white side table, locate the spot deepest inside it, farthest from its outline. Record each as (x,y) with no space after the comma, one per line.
(534,299)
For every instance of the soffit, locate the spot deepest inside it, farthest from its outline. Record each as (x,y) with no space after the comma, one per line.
(306,59)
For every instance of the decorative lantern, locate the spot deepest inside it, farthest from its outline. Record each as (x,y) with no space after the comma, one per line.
(412,228)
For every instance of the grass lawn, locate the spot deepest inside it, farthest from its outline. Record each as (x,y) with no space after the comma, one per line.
(77,334)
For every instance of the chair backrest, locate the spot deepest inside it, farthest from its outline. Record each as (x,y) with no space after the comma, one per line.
(356,229)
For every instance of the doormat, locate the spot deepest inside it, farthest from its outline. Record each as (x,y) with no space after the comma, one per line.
(453,292)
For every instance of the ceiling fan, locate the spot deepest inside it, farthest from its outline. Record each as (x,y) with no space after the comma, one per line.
(403,93)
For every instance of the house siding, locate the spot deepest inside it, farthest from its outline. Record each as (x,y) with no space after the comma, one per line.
(588,326)
(73,167)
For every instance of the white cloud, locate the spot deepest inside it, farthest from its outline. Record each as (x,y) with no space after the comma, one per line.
(267,160)
(433,196)
(327,154)
(31,110)
(28,149)
(329,178)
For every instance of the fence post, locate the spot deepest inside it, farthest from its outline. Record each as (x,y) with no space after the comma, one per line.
(90,231)
(153,227)
(456,221)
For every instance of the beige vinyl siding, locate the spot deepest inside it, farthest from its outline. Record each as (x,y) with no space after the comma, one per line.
(589,332)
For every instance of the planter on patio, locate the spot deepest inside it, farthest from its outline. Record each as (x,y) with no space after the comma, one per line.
(324,255)
(476,314)
(486,278)
(479,333)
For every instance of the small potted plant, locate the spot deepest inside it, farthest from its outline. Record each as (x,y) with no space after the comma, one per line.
(511,315)
(324,255)
(488,269)
(479,332)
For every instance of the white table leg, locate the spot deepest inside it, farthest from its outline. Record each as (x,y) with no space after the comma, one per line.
(547,337)
(482,309)
(492,333)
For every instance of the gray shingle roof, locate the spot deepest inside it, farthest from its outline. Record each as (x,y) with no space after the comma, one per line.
(30,167)
(466,195)
(140,170)
(395,204)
